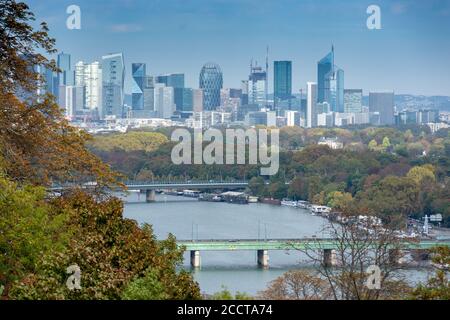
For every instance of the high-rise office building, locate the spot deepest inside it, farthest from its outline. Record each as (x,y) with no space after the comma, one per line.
(353,100)
(163,100)
(292,118)
(144,105)
(324,67)
(188,100)
(257,86)
(113,80)
(211,81)
(197,100)
(176,81)
(47,83)
(383,103)
(330,83)
(139,74)
(89,77)
(66,76)
(282,80)
(244,97)
(311,112)
(74,98)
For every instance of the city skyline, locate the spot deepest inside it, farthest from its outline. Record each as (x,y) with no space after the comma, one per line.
(181,45)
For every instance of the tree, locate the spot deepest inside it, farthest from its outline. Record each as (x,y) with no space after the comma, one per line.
(438,286)
(373,145)
(111,252)
(339,200)
(360,243)
(37,143)
(420,173)
(297,189)
(147,287)
(386,142)
(28,230)
(257,186)
(225,294)
(131,141)
(297,285)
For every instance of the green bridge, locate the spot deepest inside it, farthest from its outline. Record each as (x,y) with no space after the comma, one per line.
(263,246)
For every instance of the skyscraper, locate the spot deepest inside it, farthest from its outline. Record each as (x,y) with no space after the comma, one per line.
(176,81)
(330,83)
(257,86)
(89,77)
(188,100)
(66,76)
(139,73)
(383,103)
(282,80)
(353,100)
(311,112)
(163,99)
(113,79)
(197,100)
(211,81)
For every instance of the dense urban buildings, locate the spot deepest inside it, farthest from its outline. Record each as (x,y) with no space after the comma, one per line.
(95,91)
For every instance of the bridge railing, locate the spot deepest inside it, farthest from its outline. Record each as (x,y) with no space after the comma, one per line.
(189,182)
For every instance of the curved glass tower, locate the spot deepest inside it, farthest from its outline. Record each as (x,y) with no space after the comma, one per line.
(211,82)
(330,83)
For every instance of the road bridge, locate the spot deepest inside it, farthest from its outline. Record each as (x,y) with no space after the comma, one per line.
(328,246)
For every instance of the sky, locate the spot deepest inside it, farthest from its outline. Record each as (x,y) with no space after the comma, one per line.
(410,54)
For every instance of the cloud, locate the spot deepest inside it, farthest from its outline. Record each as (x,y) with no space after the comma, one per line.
(126,28)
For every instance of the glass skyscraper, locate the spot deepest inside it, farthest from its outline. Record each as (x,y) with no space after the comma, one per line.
(113,79)
(66,77)
(330,83)
(211,81)
(282,80)
(176,81)
(139,74)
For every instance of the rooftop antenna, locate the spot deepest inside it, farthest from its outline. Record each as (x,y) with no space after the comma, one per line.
(332,54)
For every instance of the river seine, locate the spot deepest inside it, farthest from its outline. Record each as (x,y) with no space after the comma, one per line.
(190,219)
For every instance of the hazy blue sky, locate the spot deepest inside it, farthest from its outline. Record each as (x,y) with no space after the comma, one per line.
(411,54)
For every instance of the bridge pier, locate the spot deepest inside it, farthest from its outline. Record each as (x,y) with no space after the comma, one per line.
(329,258)
(419,255)
(263,258)
(195,259)
(150,196)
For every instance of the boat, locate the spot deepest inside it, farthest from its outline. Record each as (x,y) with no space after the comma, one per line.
(288,203)
(252,199)
(320,210)
(302,204)
(271,201)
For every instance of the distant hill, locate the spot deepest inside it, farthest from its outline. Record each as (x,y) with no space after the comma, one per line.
(409,101)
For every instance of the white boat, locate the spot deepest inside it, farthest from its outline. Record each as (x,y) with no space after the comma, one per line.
(289,203)
(302,204)
(315,209)
(252,199)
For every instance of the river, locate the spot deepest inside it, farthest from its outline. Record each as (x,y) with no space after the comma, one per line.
(190,219)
